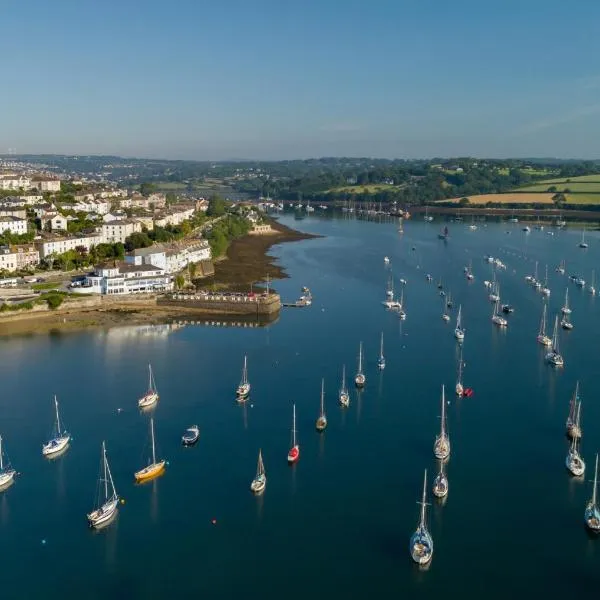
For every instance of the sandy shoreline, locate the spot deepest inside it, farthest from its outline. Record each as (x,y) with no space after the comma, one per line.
(247,262)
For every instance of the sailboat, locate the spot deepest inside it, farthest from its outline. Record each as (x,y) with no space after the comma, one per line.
(565,310)
(574,419)
(154,469)
(400,310)
(243,389)
(583,243)
(441,447)
(107,500)
(545,289)
(440,483)
(427,217)
(151,396)
(260,481)
(445,315)
(554,357)
(542,338)
(344,396)
(459,332)
(389,301)
(421,542)
(574,462)
(498,319)
(565,323)
(7,473)
(359,378)
(495,291)
(459,385)
(592,286)
(322,419)
(381,359)
(61,438)
(294,452)
(592,514)
(561,267)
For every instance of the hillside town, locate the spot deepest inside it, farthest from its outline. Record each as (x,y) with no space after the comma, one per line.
(117,240)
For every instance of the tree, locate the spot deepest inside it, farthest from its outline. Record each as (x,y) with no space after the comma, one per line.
(179,281)
(137,240)
(192,268)
(216,206)
(147,188)
(559,199)
(464,201)
(171,198)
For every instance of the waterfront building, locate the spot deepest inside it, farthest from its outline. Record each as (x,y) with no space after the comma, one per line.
(120,230)
(59,245)
(118,278)
(172,258)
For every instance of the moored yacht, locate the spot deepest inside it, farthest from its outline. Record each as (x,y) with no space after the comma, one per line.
(243,389)
(381,359)
(545,289)
(60,438)
(583,243)
(459,332)
(573,424)
(344,396)
(592,286)
(592,514)
(574,462)
(565,310)
(7,473)
(421,542)
(154,467)
(441,447)
(108,501)
(294,451)
(554,357)
(460,390)
(260,480)
(359,378)
(497,319)
(542,338)
(322,418)
(150,398)
(440,483)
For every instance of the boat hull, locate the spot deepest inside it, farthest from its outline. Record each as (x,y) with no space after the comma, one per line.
(556,360)
(56,446)
(344,399)
(544,340)
(441,448)
(150,472)
(421,548)
(459,390)
(7,478)
(103,515)
(459,335)
(575,467)
(321,424)
(191,436)
(242,392)
(440,487)
(258,485)
(293,455)
(360,380)
(148,400)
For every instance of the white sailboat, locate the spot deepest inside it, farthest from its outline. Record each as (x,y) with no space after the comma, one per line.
(421,542)
(498,319)
(243,389)
(440,483)
(322,418)
(294,451)
(460,390)
(554,357)
(573,424)
(574,462)
(459,332)
(561,267)
(545,289)
(592,286)
(60,439)
(565,310)
(7,473)
(592,514)
(260,480)
(583,243)
(441,447)
(495,290)
(381,359)
(542,337)
(566,323)
(445,315)
(344,396)
(107,499)
(151,396)
(359,378)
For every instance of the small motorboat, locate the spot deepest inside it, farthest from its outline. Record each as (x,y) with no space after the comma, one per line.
(190,436)
(507,309)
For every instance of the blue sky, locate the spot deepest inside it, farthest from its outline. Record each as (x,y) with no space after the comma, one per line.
(275,79)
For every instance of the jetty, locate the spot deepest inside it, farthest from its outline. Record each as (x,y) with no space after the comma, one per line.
(224,303)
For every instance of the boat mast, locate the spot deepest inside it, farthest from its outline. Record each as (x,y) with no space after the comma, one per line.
(595,483)
(443,428)
(57,417)
(543,323)
(152,432)
(360,359)
(322,397)
(245,371)
(458,317)
(555,336)
(1,460)
(381,347)
(423,503)
(460,366)
(105,472)
(344,378)
(260,469)
(567,299)
(294,427)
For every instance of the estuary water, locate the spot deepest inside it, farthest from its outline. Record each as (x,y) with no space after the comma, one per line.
(338,523)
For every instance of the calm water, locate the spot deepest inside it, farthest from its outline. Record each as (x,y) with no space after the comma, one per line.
(338,523)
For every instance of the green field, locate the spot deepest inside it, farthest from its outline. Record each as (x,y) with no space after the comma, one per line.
(583,198)
(170,186)
(575,186)
(580,179)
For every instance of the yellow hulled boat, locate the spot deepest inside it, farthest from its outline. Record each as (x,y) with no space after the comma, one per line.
(154,468)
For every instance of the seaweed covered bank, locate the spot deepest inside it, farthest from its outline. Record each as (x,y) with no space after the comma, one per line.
(247,262)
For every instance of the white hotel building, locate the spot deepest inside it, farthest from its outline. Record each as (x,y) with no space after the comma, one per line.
(124,279)
(171,258)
